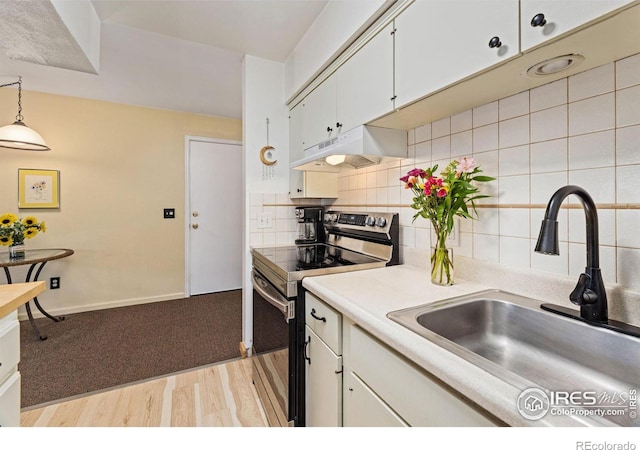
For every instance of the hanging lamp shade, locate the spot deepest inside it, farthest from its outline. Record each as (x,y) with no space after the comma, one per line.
(18,136)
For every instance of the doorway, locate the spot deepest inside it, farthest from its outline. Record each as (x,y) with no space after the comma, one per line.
(213,216)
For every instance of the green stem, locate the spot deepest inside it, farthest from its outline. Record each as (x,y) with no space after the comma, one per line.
(441,263)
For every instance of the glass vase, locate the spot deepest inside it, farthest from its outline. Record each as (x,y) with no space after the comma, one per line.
(441,265)
(16,251)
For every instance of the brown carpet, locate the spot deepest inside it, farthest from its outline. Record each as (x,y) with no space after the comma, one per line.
(95,350)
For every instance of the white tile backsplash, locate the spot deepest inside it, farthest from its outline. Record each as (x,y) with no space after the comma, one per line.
(592,114)
(549,156)
(485,114)
(627,222)
(441,148)
(628,106)
(461,144)
(514,132)
(441,128)
(549,124)
(462,121)
(485,138)
(628,184)
(592,82)
(628,265)
(514,161)
(514,106)
(582,130)
(549,95)
(592,150)
(628,145)
(628,72)
(423,133)
(599,183)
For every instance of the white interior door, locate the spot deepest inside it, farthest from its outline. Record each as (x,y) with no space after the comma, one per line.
(214,217)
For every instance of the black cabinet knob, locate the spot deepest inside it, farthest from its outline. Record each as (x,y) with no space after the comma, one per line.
(329,129)
(538,20)
(338,125)
(494,42)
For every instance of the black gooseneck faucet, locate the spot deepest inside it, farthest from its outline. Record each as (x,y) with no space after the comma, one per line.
(589,293)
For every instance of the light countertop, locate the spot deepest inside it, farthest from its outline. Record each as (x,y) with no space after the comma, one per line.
(14,295)
(367,296)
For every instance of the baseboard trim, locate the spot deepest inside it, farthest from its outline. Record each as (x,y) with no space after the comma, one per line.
(22,314)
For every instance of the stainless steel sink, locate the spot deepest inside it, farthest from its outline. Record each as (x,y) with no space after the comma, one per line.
(511,337)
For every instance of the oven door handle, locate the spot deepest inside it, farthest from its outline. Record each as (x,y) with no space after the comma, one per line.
(270,294)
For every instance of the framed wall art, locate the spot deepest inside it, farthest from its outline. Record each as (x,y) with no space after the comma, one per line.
(38,188)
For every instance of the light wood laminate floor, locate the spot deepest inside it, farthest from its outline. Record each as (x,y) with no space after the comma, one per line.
(217,395)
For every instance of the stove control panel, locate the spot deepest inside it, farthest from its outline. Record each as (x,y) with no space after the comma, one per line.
(363,221)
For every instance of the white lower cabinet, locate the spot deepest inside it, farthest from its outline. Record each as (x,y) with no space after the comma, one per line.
(363,407)
(10,401)
(323,364)
(323,372)
(9,375)
(354,380)
(405,389)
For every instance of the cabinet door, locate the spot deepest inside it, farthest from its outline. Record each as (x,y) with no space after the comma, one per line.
(303,184)
(364,83)
(363,408)
(436,45)
(323,389)
(9,347)
(10,401)
(295,134)
(319,114)
(560,16)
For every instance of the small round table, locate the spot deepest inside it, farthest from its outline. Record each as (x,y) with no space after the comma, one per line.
(36,259)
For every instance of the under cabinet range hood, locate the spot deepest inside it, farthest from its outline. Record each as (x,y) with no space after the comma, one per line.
(359,147)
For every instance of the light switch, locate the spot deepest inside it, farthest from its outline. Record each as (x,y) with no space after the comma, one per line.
(169,213)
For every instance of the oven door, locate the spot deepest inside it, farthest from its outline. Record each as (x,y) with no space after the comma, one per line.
(273,351)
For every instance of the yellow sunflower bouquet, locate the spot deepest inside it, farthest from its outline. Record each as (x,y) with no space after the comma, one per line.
(13,230)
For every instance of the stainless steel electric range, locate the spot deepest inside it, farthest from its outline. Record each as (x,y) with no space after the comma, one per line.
(353,241)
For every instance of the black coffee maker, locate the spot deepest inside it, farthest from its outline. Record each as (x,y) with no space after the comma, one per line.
(310,225)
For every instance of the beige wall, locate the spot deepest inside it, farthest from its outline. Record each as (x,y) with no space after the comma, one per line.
(119,167)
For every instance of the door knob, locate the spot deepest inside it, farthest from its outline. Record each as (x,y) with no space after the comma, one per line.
(194,214)
(538,20)
(495,42)
(194,226)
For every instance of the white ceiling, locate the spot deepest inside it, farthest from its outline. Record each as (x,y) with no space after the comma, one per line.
(175,54)
(269,29)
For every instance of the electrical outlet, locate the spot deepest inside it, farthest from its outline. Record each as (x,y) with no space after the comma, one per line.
(265,220)
(454,237)
(453,240)
(54,283)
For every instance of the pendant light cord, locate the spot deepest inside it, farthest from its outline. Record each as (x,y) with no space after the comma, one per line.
(19,117)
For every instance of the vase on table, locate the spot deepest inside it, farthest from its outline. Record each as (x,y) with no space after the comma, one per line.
(16,250)
(441,263)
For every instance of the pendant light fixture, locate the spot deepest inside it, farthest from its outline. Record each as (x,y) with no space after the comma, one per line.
(18,136)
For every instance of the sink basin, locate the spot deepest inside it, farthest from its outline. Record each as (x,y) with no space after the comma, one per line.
(510,337)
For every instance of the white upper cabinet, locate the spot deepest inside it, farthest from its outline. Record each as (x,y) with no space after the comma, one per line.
(364,83)
(546,19)
(295,133)
(319,114)
(358,92)
(438,42)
